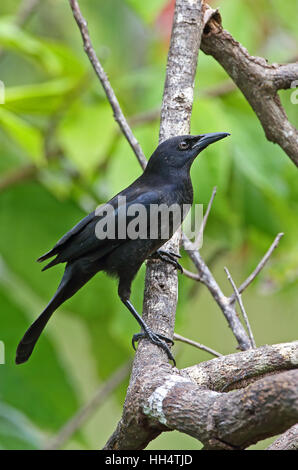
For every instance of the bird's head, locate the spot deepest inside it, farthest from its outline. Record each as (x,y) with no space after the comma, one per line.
(180,151)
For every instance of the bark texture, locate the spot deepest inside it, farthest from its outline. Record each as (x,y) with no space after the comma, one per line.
(258,81)
(161,283)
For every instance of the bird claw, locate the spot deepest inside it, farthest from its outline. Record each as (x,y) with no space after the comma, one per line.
(155,338)
(172,254)
(168,257)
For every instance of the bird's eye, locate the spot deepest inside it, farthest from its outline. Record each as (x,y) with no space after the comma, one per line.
(183,145)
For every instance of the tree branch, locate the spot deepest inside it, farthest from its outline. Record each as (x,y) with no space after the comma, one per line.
(159,396)
(287,441)
(239,369)
(118,114)
(231,420)
(259,267)
(189,400)
(223,302)
(196,345)
(205,218)
(258,81)
(239,299)
(161,284)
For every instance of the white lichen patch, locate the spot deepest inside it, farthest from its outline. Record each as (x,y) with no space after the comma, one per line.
(154,406)
(199,375)
(289,351)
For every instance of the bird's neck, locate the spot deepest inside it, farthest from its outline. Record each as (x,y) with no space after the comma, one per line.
(172,177)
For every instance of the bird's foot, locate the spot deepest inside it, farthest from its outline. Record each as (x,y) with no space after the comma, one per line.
(155,338)
(169,257)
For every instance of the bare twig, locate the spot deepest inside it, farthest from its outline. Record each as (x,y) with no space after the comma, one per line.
(208,280)
(211,260)
(205,277)
(259,267)
(238,297)
(191,275)
(89,408)
(205,218)
(196,345)
(118,114)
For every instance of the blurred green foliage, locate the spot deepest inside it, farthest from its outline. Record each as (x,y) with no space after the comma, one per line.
(61,154)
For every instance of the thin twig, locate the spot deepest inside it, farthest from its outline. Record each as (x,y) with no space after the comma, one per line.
(209,281)
(196,286)
(118,114)
(259,267)
(205,218)
(191,275)
(196,345)
(87,410)
(238,296)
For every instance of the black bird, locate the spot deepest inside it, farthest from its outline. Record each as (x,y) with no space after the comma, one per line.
(166,180)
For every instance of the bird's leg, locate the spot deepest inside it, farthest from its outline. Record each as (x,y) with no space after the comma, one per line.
(169,257)
(155,338)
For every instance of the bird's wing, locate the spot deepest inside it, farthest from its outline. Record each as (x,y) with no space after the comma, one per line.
(82,239)
(76,229)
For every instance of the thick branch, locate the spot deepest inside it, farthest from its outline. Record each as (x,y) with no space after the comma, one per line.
(160,397)
(237,370)
(258,81)
(189,400)
(231,420)
(287,441)
(161,284)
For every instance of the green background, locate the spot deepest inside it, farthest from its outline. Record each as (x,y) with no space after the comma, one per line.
(61,154)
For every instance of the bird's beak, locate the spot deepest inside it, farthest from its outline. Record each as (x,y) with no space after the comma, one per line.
(206,139)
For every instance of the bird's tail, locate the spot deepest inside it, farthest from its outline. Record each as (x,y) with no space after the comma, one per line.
(73,279)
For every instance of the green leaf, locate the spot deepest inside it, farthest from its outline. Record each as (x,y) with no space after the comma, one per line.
(86,133)
(41,98)
(12,37)
(27,137)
